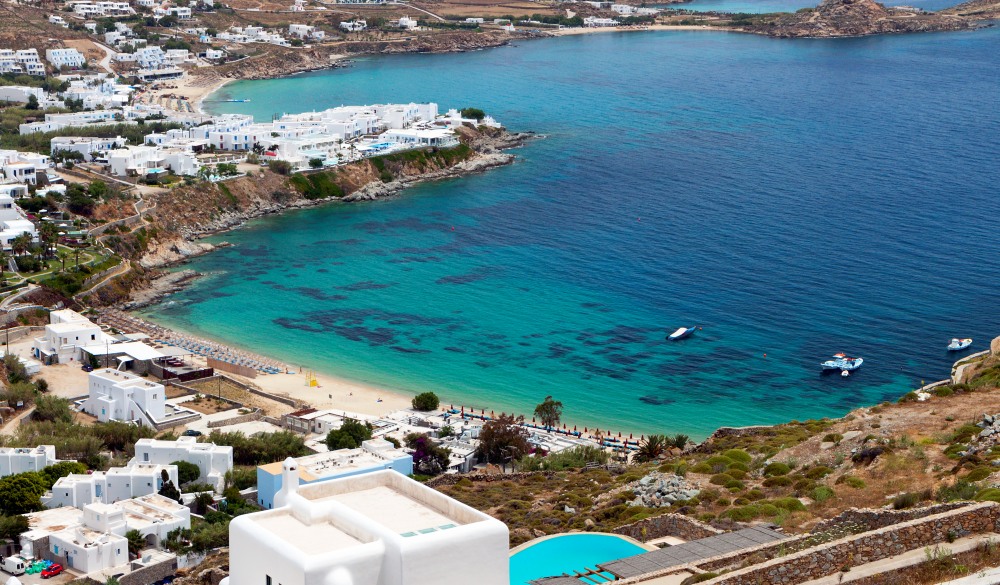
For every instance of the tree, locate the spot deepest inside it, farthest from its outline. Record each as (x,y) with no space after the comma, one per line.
(549,412)
(474,113)
(32,103)
(425,401)
(503,438)
(11,527)
(652,448)
(429,458)
(52,408)
(53,472)
(20,244)
(98,189)
(282,167)
(186,472)
(315,163)
(63,257)
(350,435)
(135,542)
(679,441)
(168,490)
(21,493)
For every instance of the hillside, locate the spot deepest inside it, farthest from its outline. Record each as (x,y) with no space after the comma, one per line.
(894,456)
(845,18)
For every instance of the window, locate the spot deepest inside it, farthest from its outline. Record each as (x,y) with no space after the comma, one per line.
(267,581)
(93,337)
(145,456)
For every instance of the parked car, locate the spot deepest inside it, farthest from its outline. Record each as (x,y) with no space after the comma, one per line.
(192,433)
(53,570)
(87,368)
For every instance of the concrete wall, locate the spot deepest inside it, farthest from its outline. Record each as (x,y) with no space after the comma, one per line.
(145,575)
(667,525)
(830,558)
(214,424)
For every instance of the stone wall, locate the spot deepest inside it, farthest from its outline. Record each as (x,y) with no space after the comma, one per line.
(830,558)
(144,575)
(667,525)
(11,315)
(873,519)
(214,424)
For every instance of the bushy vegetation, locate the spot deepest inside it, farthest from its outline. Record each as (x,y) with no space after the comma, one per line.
(575,458)
(317,185)
(350,435)
(425,401)
(261,448)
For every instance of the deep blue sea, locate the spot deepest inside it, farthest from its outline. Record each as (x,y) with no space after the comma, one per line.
(791,198)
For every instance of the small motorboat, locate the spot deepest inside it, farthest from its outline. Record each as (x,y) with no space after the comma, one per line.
(843,363)
(959,344)
(681,333)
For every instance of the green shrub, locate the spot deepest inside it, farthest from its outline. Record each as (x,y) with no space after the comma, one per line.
(907,500)
(735,486)
(790,504)
(852,481)
(776,468)
(961,490)
(742,514)
(908,397)
(833,438)
(719,463)
(723,501)
(819,472)
(701,468)
(736,465)
(989,494)
(964,433)
(779,481)
(953,450)
(721,479)
(822,493)
(755,495)
(943,391)
(978,474)
(768,510)
(736,473)
(425,401)
(738,455)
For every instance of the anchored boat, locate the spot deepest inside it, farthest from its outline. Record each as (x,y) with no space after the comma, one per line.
(959,344)
(681,333)
(843,363)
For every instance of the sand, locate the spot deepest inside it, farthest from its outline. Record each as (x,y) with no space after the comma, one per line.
(193,90)
(621,29)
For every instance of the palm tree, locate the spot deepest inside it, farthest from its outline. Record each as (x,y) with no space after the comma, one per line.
(48,233)
(20,244)
(4,258)
(63,257)
(652,448)
(77,251)
(135,542)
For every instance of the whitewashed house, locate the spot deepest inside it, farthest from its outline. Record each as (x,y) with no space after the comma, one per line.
(15,460)
(377,528)
(213,460)
(114,485)
(89,147)
(13,223)
(29,61)
(65,335)
(405,22)
(354,25)
(115,395)
(64,58)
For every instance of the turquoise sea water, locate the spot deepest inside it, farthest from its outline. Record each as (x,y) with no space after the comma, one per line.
(567,553)
(793,198)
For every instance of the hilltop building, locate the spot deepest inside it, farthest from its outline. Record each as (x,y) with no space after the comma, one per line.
(117,395)
(373,455)
(378,528)
(213,460)
(114,485)
(65,335)
(14,460)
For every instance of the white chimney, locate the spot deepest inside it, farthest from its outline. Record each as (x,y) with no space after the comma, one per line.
(289,482)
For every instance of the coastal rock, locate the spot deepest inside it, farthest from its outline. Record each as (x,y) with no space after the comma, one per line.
(851,18)
(658,490)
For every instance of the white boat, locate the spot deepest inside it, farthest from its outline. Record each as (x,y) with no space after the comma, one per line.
(843,363)
(959,344)
(680,333)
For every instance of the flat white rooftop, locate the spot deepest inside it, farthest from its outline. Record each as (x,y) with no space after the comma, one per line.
(331,463)
(318,538)
(396,511)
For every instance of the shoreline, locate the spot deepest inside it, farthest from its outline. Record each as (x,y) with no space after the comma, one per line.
(567,32)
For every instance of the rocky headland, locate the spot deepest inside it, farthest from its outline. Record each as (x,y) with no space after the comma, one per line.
(853,18)
(184,215)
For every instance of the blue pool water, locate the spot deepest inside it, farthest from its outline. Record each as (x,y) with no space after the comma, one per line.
(567,553)
(795,198)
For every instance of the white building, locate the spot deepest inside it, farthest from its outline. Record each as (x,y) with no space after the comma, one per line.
(407,23)
(20,94)
(65,335)
(116,395)
(93,539)
(29,61)
(594,21)
(89,147)
(213,460)
(135,160)
(475,20)
(440,137)
(64,58)
(15,460)
(56,19)
(354,25)
(305,31)
(623,9)
(181,12)
(13,223)
(114,485)
(378,528)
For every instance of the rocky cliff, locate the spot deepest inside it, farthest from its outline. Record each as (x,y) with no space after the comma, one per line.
(847,18)
(985,9)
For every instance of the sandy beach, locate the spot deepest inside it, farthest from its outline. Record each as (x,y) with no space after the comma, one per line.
(185,94)
(651,27)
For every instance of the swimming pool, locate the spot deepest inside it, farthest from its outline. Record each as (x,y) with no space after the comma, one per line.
(566,553)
